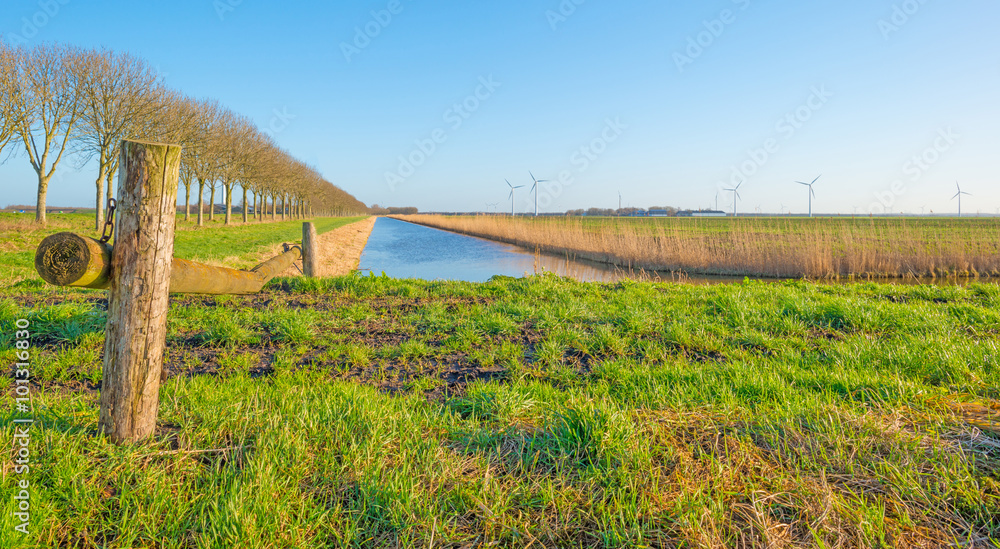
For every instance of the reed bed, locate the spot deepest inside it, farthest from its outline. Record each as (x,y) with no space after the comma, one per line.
(763,247)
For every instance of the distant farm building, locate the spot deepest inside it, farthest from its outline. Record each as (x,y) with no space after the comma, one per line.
(702,213)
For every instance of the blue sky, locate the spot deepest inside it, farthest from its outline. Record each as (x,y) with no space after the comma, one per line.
(892,101)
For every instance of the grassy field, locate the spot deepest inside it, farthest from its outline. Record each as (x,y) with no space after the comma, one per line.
(373,412)
(768,247)
(237,246)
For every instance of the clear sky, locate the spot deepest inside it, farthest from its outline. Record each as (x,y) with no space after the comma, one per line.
(665,101)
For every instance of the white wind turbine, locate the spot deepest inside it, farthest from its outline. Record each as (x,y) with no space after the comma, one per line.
(958,195)
(534,188)
(812,193)
(511,197)
(736,196)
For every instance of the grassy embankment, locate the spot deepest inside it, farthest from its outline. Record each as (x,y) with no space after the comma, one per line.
(769,247)
(367,412)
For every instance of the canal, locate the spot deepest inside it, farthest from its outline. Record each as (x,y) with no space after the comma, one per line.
(405,250)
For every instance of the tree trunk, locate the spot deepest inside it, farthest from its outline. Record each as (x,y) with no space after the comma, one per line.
(229,202)
(246,208)
(187,200)
(43,188)
(201,201)
(109,188)
(135,336)
(274,205)
(104,194)
(211,206)
(99,216)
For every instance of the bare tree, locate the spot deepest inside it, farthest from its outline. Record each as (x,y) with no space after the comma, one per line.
(236,153)
(226,155)
(179,121)
(256,169)
(46,104)
(201,158)
(9,61)
(119,94)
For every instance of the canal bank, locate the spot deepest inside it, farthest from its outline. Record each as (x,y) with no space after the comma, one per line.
(339,249)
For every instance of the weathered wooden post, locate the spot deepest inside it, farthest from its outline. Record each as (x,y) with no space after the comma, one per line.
(140,282)
(310,263)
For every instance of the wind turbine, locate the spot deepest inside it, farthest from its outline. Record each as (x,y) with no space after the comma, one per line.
(958,195)
(511,197)
(535,189)
(812,193)
(736,196)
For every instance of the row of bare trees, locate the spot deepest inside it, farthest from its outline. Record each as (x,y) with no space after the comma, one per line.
(58,100)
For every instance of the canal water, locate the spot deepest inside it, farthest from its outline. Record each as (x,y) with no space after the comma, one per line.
(406,250)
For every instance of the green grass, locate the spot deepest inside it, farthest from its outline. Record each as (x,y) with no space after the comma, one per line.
(372,412)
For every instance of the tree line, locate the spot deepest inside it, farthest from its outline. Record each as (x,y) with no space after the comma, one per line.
(58,100)
(624,212)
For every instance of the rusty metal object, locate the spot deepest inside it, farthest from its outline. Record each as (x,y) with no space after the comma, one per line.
(69,259)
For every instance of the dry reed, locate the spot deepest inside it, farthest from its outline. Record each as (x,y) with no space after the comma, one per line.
(763,247)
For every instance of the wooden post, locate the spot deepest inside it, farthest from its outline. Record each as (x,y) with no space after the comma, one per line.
(137,299)
(310,264)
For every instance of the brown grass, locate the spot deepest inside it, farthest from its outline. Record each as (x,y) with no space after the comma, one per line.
(765,247)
